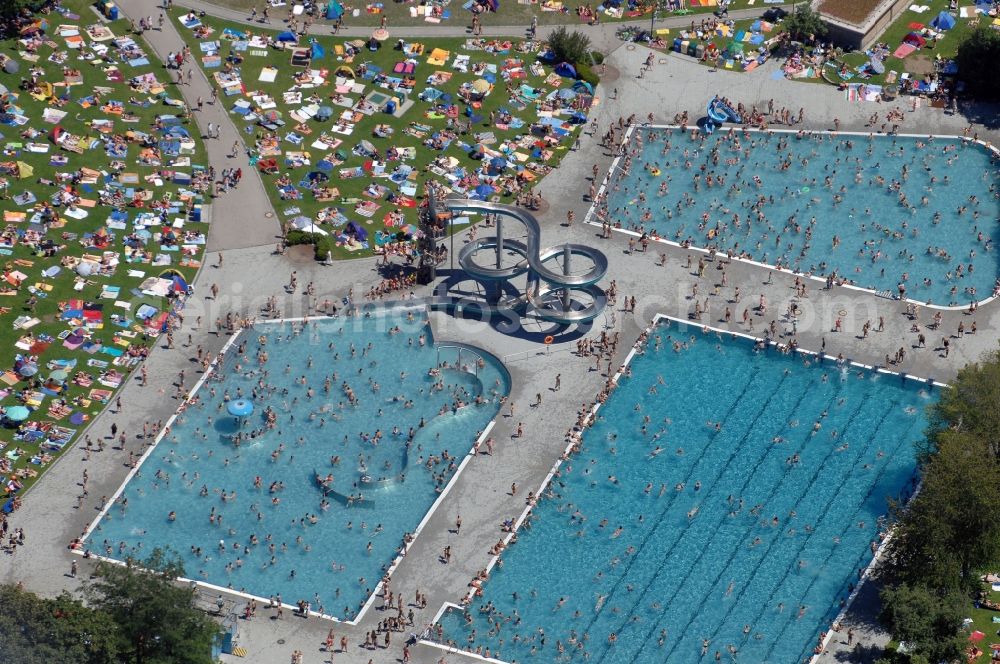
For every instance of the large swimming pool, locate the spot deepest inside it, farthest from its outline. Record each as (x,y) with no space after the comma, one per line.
(876,211)
(346,395)
(725,494)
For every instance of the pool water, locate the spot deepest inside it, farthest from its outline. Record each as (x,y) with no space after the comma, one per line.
(675,530)
(327,563)
(824,204)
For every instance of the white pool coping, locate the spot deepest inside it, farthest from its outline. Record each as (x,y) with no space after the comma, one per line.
(589,218)
(266,601)
(649,329)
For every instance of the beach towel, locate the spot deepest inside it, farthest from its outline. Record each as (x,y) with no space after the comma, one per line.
(904,50)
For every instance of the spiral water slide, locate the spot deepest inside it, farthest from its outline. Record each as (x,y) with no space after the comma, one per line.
(549,293)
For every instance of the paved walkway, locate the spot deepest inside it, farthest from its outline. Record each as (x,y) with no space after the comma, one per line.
(238,217)
(250,273)
(602,36)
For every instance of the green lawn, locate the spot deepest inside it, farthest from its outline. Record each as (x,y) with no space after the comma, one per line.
(720,42)
(101,315)
(510,13)
(920,61)
(982,620)
(408,134)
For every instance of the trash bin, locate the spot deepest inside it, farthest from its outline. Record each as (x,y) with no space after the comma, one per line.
(700,51)
(677,44)
(693,49)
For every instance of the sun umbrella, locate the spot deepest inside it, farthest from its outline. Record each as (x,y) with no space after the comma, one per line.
(272,115)
(18,413)
(367,146)
(566,93)
(28,370)
(481,85)
(381,34)
(484,190)
(877,65)
(357,43)
(240,408)
(58,375)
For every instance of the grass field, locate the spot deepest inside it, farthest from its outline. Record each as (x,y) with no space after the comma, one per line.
(96,302)
(510,13)
(372,199)
(920,62)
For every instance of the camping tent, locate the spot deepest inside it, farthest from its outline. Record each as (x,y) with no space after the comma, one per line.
(334,10)
(914,39)
(566,70)
(287,36)
(943,21)
(24,170)
(317,50)
(357,232)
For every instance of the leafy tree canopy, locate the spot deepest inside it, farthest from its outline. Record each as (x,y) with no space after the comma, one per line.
(569,46)
(927,622)
(34,630)
(157,621)
(804,24)
(975,59)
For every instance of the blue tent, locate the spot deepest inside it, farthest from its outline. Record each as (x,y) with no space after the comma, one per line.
(943,21)
(317,50)
(180,286)
(566,70)
(334,10)
(287,36)
(356,231)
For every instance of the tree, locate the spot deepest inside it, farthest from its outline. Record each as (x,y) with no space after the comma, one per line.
(929,623)
(157,620)
(951,530)
(975,58)
(971,403)
(14,8)
(804,24)
(569,46)
(34,630)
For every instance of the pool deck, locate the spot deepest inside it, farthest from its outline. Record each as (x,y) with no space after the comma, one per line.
(251,273)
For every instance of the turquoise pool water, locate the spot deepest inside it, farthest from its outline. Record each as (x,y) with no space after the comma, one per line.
(739,512)
(325,551)
(823,204)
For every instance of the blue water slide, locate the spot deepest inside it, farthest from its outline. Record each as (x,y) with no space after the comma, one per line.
(720,112)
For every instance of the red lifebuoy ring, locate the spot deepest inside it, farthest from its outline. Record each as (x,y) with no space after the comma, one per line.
(549,339)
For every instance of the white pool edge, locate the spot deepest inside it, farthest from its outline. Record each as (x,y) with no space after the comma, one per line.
(657,318)
(81,551)
(592,210)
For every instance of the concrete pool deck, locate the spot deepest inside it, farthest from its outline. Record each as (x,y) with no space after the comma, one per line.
(251,273)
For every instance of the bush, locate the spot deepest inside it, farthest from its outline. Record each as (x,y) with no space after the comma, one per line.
(597,57)
(978,49)
(805,25)
(324,245)
(299,237)
(587,74)
(567,46)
